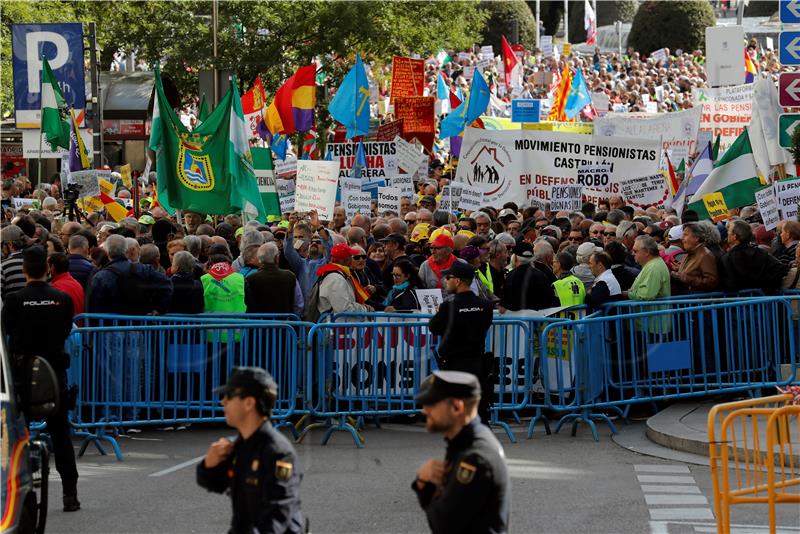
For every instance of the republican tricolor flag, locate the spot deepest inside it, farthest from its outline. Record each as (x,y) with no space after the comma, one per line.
(750,69)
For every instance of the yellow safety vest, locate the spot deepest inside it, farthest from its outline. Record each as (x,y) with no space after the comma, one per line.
(570,291)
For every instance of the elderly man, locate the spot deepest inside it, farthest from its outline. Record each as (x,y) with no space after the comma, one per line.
(273,288)
(483,225)
(80,266)
(306,254)
(338,290)
(431,272)
(653,281)
(250,239)
(747,266)
(530,285)
(14,243)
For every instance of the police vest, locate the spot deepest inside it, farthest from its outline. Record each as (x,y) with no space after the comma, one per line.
(570,291)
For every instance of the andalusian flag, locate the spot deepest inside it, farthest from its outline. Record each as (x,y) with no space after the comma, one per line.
(734,175)
(55,118)
(210,169)
(265,175)
(202,111)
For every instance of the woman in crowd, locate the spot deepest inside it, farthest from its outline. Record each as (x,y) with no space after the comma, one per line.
(402,295)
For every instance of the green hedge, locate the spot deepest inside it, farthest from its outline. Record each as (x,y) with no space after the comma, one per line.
(671,24)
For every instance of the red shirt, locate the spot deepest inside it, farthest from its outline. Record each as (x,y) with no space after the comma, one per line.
(64,282)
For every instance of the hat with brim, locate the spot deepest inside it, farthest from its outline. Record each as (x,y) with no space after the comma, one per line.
(460,269)
(248,381)
(443,385)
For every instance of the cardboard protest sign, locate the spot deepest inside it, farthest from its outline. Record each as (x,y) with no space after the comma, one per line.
(517,165)
(316,187)
(408,77)
(286,168)
(86,181)
(715,204)
(645,191)
(287,202)
(471,197)
(27,203)
(429,299)
(768,207)
(417,114)
(408,155)
(403,182)
(389,130)
(450,197)
(566,198)
(487,51)
(381,157)
(355,203)
(349,186)
(787,193)
(388,199)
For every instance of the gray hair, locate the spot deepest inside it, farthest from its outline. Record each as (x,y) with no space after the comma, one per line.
(193,245)
(267,253)
(615,216)
(251,225)
(183,262)
(648,244)
(495,247)
(742,230)
(78,242)
(713,236)
(149,254)
(481,215)
(441,218)
(555,229)
(251,238)
(249,254)
(116,246)
(506,239)
(542,250)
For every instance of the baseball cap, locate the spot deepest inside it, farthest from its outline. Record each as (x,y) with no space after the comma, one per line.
(239,232)
(467,233)
(523,250)
(394,238)
(507,212)
(342,251)
(623,228)
(13,233)
(675,233)
(460,269)
(421,232)
(448,385)
(248,381)
(442,240)
(429,199)
(469,253)
(147,219)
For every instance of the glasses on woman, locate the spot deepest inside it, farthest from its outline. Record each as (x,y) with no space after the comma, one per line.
(397,275)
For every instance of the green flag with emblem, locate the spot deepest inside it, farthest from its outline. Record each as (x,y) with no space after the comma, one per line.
(55,117)
(210,169)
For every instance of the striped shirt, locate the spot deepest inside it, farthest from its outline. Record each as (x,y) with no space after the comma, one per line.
(13,279)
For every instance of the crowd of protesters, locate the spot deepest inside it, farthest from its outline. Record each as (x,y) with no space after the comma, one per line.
(524,258)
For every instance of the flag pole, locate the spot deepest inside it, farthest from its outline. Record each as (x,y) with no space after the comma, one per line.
(41,116)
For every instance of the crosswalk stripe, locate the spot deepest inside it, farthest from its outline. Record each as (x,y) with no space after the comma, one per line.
(677,469)
(675,499)
(665,488)
(665,479)
(662,514)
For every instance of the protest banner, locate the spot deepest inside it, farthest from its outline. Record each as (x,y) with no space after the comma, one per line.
(482,64)
(286,168)
(725,111)
(595,180)
(547,45)
(349,186)
(468,73)
(24,203)
(286,202)
(429,299)
(471,197)
(408,77)
(567,49)
(645,191)
(408,155)
(768,207)
(125,174)
(676,131)
(517,165)
(403,182)
(390,130)
(464,56)
(659,55)
(566,198)
(600,102)
(568,127)
(388,199)
(487,51)
(381,157)
(450,197)
(316,187)
(724,57)
(787,194)
(355,203)
(86,181)
(284,187)
(106,186)
(418,118)
(716,207)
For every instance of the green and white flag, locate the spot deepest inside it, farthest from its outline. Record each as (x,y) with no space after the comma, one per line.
(55,117)
(265,177)
(208,170)
(442,57)
(734,175)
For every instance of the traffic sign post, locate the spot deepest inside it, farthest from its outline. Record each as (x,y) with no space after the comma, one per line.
(790,11)
(789,89)
(790,48)
(787,123)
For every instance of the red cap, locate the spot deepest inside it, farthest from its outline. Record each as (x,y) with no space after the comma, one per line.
(442,240)
(342,252)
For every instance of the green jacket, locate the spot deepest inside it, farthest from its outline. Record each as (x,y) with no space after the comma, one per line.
(225,295)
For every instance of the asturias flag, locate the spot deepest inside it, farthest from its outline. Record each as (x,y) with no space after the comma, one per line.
(208,170)
(468,111)
(350,104)
(578,96)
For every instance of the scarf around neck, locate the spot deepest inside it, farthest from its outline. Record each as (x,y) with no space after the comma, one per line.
(437,268)
(361,294)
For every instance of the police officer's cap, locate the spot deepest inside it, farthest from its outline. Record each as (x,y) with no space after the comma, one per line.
(249,382)
(461,270)
(448,385)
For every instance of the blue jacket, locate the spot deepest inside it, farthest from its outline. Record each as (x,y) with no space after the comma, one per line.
(80,268)
(102,296)
(305,268)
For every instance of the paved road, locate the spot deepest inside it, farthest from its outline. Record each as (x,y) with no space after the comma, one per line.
(560,484)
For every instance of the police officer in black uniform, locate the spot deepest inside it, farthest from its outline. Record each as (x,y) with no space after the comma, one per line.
(26,313)
(259,467)
(462,323)
(468,491)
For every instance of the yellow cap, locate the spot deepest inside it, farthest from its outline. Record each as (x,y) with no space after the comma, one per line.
(421,231)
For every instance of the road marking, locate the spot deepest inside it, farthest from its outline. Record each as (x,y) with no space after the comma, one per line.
(656,498)
(680,469)
(663,514)
(670,489)
(658,479)
(178,467)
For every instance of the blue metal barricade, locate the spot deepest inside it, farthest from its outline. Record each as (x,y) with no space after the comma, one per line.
(613,361)
(365,369)
(164,374)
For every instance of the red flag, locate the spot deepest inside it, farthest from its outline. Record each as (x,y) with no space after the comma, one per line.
(454,100)
(253,100)
(510,61)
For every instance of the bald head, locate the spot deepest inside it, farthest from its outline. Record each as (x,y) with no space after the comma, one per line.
(68,230)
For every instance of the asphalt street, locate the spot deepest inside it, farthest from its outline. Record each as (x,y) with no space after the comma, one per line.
(560,484)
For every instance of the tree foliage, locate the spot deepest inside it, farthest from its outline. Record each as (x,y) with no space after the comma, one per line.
(607,13)
(760,8)
(551,13)
(672,25)
(267,38)
(502,16)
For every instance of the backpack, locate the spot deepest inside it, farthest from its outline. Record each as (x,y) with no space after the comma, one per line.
(312,312)
(135,295)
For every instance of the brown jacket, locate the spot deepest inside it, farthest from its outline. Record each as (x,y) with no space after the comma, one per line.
(697,273)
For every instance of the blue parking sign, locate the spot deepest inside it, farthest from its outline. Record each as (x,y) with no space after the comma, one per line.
(790,48)
(62,45)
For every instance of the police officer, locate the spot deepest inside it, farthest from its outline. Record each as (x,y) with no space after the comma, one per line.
(468,491)
(462,323)
(260,467)
(24,314)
